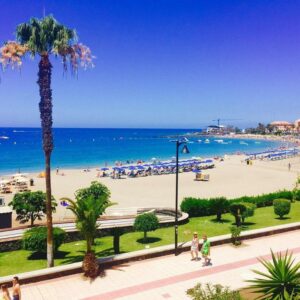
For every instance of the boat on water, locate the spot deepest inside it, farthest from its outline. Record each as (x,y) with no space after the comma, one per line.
(199,141)
(243,143)
(207,141)
(219,141)
(3,137)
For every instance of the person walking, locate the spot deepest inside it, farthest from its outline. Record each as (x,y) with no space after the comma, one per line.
(289,166)
(16,288)
(5,292)
(205,250)
(195,247)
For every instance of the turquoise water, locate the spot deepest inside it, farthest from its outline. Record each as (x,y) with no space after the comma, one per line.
(21,148)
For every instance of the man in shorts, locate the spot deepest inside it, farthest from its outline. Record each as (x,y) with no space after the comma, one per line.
(16,289)
(205,250)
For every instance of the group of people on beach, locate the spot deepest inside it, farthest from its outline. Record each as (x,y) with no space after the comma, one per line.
(204,249)
(16,290)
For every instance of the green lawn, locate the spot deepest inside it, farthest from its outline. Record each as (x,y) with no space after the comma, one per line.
(22,261)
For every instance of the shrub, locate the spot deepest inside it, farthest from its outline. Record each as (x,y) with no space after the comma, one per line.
(237,210)
(146,222)
(265,199)
(235,235)
(35,239)
(219,206)
(195,207)
(213,292)
(282,207)
(249,212)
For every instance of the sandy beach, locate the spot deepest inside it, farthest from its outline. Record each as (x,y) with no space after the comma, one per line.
(230,178)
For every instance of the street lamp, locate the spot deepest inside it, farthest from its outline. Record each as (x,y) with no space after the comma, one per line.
(185,150)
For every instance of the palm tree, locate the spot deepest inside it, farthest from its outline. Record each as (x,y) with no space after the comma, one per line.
(43,38)
(282,279)
(90,204)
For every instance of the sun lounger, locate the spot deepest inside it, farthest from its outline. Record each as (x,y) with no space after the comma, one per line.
(202,177)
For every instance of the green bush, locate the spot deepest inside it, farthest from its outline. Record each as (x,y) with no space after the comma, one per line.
(213,292)
(195,207)
(235,235)
(237,210)
(265,199)
(296,194)
(198,207)
(35,239)
(282,207)
(249,212)
(146,222)
(219,206)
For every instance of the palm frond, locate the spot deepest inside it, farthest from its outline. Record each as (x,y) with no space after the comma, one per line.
(282,277)
(47,36)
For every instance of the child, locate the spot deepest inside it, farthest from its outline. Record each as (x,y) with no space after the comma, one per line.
(5,293)
(205,250)
(195,246)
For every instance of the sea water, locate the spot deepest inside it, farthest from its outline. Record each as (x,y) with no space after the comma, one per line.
(21,148)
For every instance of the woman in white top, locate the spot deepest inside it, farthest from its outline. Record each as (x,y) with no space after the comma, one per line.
(195,246)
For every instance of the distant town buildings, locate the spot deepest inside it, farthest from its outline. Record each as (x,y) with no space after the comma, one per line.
(215,129)
(285,127)
(276,127)
(297,125)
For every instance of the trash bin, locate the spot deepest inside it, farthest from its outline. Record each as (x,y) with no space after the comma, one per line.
(31,182)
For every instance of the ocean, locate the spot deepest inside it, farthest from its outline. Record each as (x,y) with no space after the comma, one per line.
(21,148)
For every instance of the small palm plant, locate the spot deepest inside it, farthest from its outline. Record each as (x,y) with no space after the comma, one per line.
(282,279)
(90,204)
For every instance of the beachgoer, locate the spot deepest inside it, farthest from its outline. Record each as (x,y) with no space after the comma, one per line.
(195,246)
(205,250)
(5,292)
(289,166)
(16,288)
(57,171)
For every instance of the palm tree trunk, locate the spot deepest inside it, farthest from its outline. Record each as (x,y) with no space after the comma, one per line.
(88,245)
(45,105)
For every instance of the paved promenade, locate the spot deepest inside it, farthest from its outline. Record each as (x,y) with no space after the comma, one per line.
(167,277)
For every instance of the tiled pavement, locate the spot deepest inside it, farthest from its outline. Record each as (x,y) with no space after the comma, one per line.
(166,277)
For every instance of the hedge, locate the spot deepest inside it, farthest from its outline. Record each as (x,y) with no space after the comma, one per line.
(35,239)
(199,207)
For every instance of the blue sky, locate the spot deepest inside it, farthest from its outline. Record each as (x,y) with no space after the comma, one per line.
(163,63)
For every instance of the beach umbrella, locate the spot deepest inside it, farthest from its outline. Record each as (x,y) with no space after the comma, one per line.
(105,169)
(131,167)
(140,167)
(209,161)
(64,203)
(196,171)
